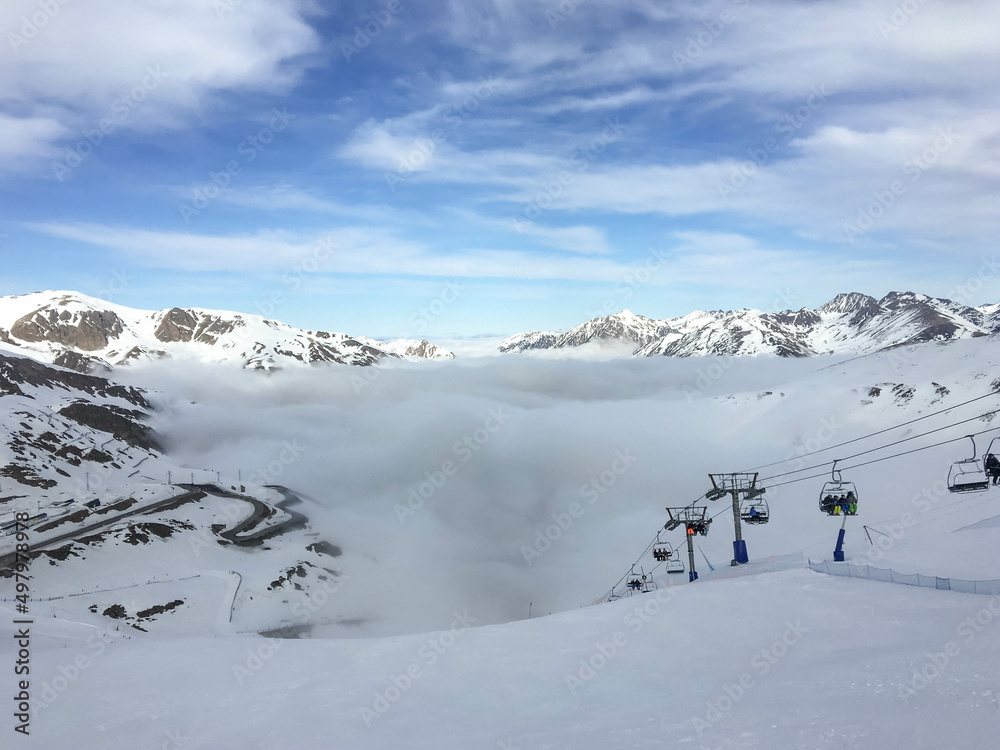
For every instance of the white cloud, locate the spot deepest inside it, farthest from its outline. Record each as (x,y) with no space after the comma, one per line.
(576,239)
(373,145)
(605,101)
(28,136)
(86,57)
(366,250)
(717,259)
(892,77)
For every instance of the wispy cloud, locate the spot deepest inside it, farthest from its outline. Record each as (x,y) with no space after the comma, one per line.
(72,68)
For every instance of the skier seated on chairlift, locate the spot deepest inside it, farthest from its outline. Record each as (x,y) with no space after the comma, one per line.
(992,465)
(634,584)
(753,511)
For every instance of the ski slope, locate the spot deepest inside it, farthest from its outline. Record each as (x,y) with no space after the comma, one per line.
(793,659)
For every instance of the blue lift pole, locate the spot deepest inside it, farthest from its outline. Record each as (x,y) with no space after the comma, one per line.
(740,556)
(838,553)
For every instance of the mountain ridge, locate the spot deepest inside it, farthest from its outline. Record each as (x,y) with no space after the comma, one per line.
(82,333)
(851,322)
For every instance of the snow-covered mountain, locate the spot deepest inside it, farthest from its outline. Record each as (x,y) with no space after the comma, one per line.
(623,326)
(849,323)
(80,332)
(58,424)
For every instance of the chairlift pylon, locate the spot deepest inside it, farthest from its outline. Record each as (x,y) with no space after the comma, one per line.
(970,475)
(837,496)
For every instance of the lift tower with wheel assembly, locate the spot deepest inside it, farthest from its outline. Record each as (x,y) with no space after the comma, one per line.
(694,522)
(742,486)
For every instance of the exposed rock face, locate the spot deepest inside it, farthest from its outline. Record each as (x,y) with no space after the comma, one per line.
(176,325)
(120,423)
(72,360)
(18,371)
(87,330)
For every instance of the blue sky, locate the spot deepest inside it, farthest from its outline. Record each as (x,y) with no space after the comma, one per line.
(493,166)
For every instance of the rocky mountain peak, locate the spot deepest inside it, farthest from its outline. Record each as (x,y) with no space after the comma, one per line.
(86,330)
(851,302)
(897,300)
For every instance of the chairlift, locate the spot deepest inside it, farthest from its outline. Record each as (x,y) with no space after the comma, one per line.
(665,553)
(754,510)
(837,496)
(662,551)
(970,475)
(639,584)
(699,527)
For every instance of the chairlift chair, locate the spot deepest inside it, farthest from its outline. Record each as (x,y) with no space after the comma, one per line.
(662,551)
(969,474)
(754,510)
(699,527)
(837,496)
(639,583)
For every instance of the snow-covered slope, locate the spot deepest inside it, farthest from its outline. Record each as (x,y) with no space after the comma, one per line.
(795,660)
(80,332)
(850,323)
(59,425)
